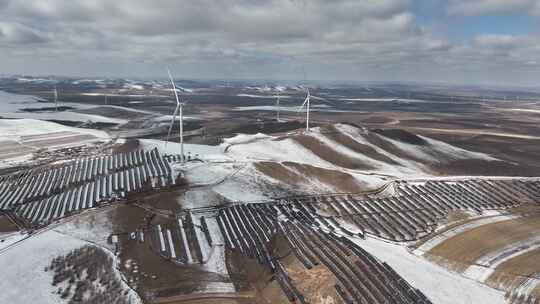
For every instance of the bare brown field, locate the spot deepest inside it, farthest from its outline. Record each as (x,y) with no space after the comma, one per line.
(209,298)
(156,276)
(330,155)
(379,120)
(342,182)
(475,132)
(279,172)
(521,155)
(128,218)
(6,225)
(477,167)
(159,277)
(248,274)
(513,272)
(164,200)
(464,249)
(316,284)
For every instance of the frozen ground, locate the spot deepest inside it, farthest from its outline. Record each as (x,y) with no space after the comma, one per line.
(260,148)
(11,106)
(92,226)
(437,283)
(18,129)
(204,152)
(20,138)
(8,239)
(23,277)
(229,168)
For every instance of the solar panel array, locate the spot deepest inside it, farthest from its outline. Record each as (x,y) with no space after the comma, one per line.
(39,196)
(320,230)
(415,210)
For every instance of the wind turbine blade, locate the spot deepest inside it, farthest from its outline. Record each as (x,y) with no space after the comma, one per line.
(172,123)
(320,98)
(304,104)
(174,87)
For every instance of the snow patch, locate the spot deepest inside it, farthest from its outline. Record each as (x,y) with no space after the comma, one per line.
(23,277)
(14,129)
(439,285)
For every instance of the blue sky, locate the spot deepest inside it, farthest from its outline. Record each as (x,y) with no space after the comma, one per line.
(454,41)
(434,15)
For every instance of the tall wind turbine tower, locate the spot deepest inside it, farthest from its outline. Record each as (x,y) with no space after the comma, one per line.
(307,105)
(180,112)
(56,98)
(278,108)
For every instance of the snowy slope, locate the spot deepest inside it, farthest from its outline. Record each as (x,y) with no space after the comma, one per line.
(437,283)
(408,159)
(14,129)
(23,277)
(394,158)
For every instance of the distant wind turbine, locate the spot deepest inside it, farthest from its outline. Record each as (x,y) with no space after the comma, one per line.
(180,112)
(106,101)
(56,98)
(307,105)
(278,107)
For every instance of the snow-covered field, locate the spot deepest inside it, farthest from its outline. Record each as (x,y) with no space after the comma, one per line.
(11,106)
(21,137)
(204,152)
(229,168)
(269,149)
(23,277)
(437,283)
(8,239)
(18,129)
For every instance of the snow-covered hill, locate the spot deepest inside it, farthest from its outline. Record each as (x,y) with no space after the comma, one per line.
(336,158)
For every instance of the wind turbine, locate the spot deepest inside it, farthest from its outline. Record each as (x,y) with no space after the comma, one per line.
(180,112)
(278,107)
(306,104)
(106,101)
(56,98)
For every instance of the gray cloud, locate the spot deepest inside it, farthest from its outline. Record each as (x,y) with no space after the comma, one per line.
(14,33)
(483,7)
(340,39)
